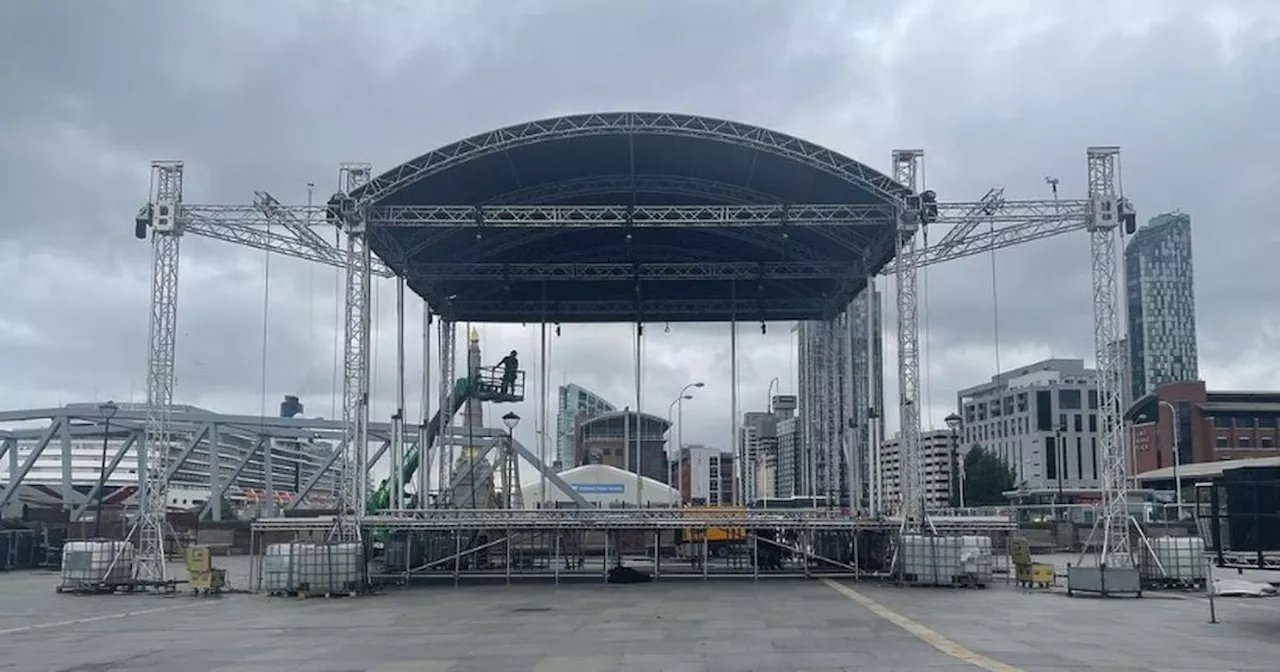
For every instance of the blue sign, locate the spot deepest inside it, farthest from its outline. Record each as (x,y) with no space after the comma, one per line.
(598,488)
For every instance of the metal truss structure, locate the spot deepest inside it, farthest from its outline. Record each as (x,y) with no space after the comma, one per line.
(906,170)
(206,450)
(1023,221)
(448,372)
(1107,211)
(363,212)
(641,519)
(355,357)
(247,217)
(613,123)
(165,220)
(306,452)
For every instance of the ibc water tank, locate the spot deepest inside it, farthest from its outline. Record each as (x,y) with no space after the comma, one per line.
(279,568)
(98,562)
(1182,559)
(331,567)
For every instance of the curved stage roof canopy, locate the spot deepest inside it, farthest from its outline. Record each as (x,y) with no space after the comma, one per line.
(506,271)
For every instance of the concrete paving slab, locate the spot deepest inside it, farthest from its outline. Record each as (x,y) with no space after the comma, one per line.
(1034,630)
(780,625)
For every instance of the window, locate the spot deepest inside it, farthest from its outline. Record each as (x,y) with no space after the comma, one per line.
(1093,452)
(1062,423)
(1093,422)
(1184,432)
(1069,399)
(1266,441)
(1223,441)
(1244,441)
(1079,422)
(1050,458)
(1079,457)
(1044,411)
(1093,400)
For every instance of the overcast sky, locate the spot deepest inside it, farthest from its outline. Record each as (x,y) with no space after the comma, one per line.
(255,95)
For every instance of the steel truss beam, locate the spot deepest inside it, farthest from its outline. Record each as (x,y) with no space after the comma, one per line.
(906,169)
(355,361)
(559,216)
(610,185)
(1107,208)
(649,519)
(620,123)
(256,235)
(1028,220)
(784,270)
(700,310)
(209,441)
(1025,221)
(254,216)
(166,230)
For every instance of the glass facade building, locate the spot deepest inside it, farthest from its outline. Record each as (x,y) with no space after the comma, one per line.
(1160,295)
(576,405)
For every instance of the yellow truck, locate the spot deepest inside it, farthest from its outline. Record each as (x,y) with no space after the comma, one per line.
(719,539)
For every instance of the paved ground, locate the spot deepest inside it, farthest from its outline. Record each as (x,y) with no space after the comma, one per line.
(687,625)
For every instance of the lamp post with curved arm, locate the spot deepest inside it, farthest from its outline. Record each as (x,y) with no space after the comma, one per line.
(679,404)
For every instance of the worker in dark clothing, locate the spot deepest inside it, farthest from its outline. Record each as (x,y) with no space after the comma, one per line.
(510,365)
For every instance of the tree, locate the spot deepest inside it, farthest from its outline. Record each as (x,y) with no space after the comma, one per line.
(986,478)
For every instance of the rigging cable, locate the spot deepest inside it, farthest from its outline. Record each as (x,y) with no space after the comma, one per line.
(995,302)
(311,304)
(337,327)
(470,448)
(268,466)
(923,270)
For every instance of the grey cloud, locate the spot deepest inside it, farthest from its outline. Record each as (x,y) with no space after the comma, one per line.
(272,97)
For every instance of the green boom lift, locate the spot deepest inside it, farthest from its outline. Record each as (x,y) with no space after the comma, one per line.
(483,385)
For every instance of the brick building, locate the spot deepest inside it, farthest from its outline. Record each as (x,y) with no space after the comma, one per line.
(1210,425)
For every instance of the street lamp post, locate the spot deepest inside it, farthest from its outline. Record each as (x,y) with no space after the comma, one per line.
(1177,457)
(953,423)
(684,394)
(1060,461)
(509,467)
(108,411)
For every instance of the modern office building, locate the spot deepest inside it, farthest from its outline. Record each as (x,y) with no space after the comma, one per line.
(936,446)
(704,475)
(1042,419)
(576,405)
(760,444)
(757,439)
(787,482)
(611,439)
(766,476)
(1161,304)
